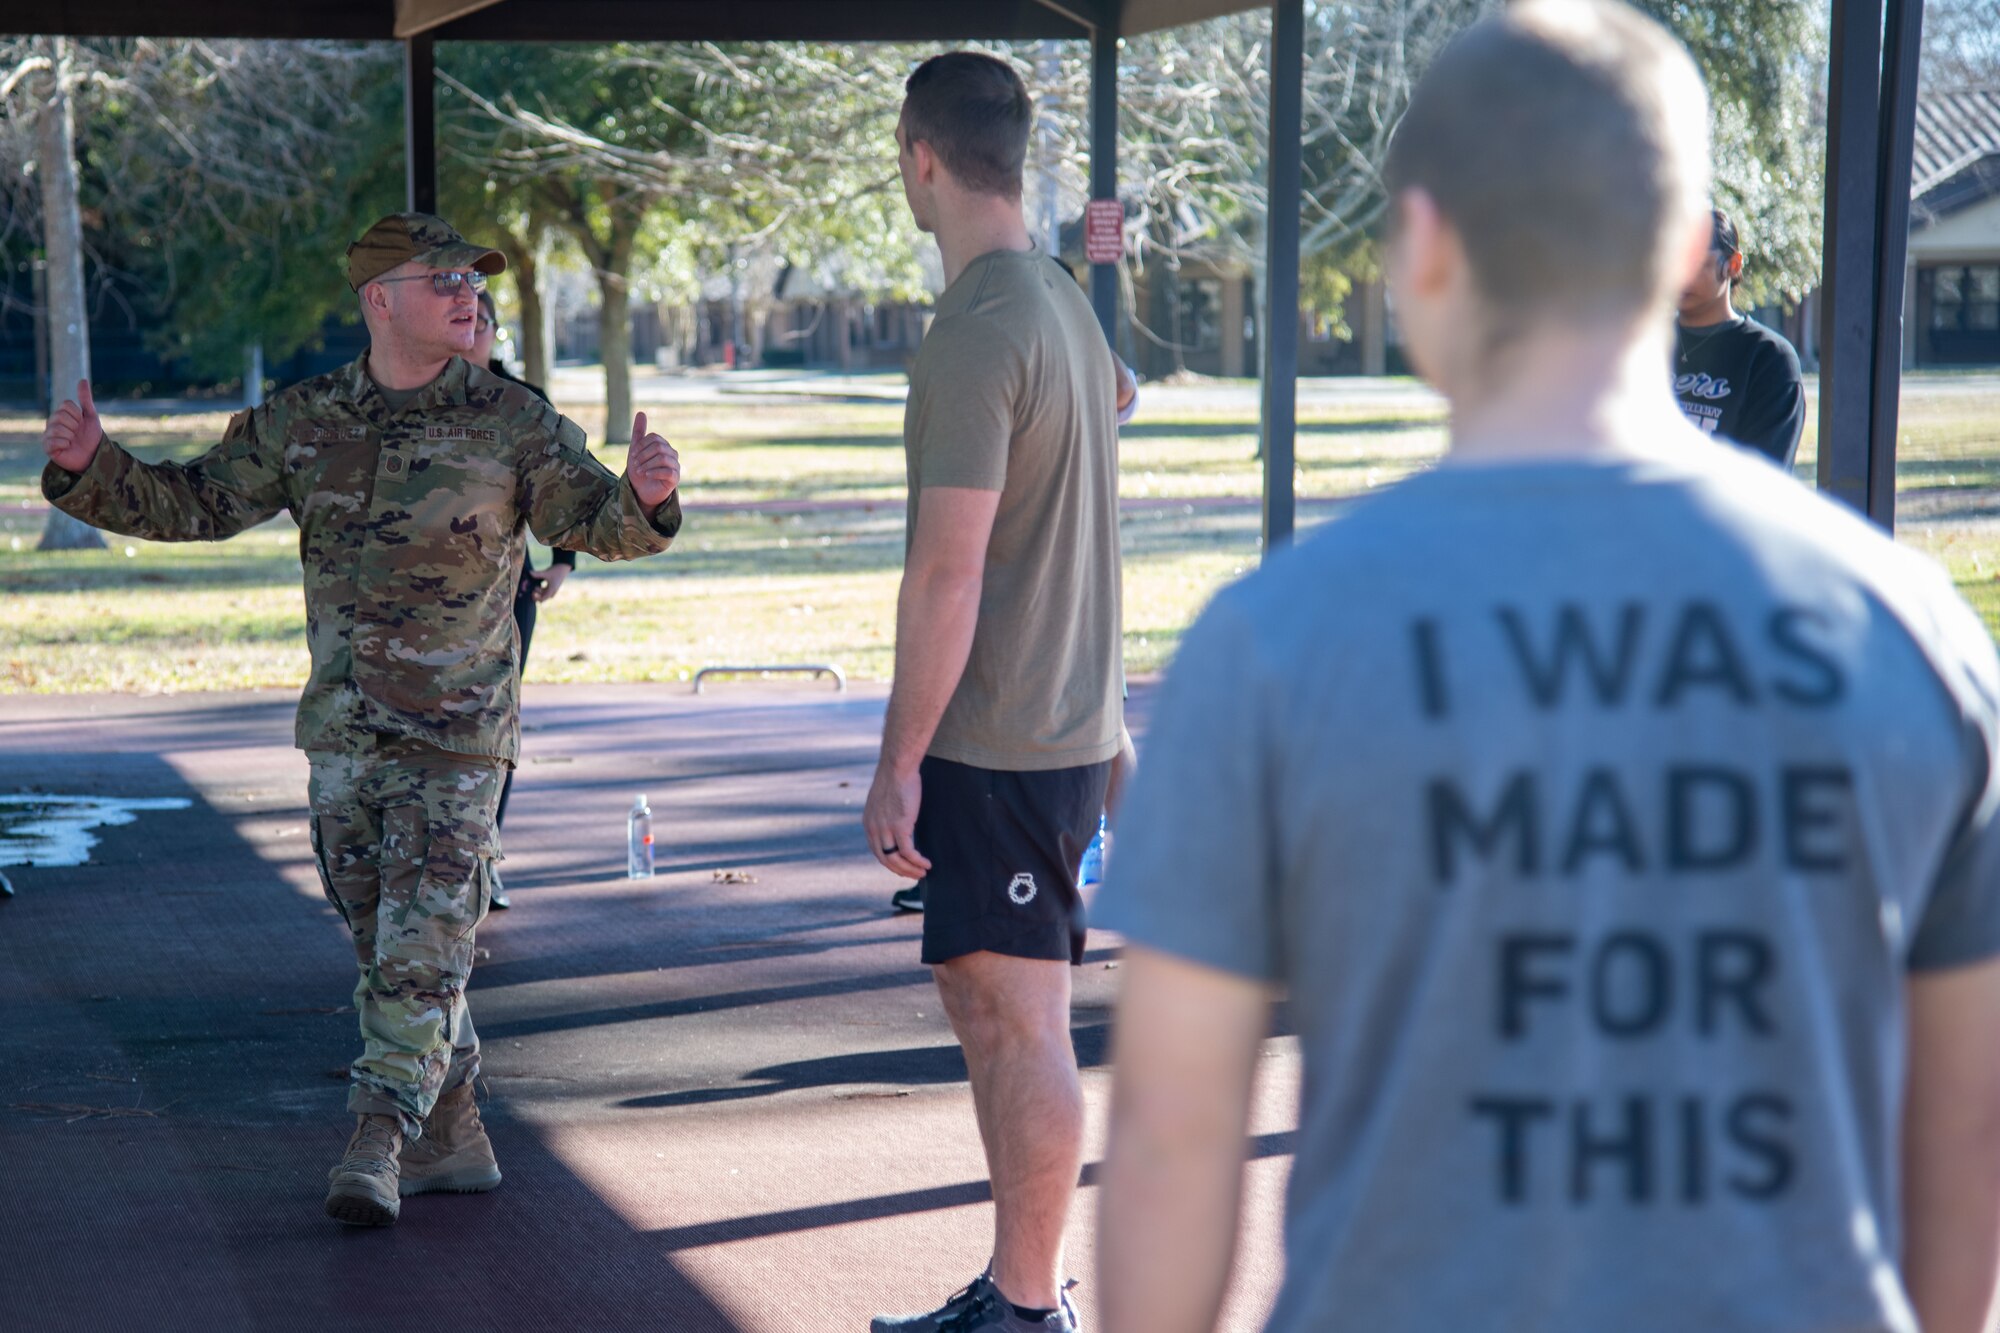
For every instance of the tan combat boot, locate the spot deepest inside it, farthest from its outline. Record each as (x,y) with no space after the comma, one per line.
(363,1192)
(454,1155)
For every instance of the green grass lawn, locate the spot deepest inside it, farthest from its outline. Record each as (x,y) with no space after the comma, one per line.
(738,587)
(812,586)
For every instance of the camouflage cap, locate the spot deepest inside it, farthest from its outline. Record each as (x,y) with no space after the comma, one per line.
(402,237)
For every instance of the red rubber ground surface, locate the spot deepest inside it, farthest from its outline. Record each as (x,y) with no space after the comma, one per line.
(718,1105)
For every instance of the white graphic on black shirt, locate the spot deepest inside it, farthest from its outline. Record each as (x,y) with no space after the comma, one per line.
(1696,392)
(1701,385)
(1021,890)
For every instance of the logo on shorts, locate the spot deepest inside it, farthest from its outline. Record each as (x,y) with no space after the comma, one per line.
(1021,891)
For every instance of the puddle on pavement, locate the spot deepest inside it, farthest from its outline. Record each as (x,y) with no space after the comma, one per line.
(44,829)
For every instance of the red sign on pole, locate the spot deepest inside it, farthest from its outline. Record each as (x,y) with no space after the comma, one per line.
(1104,231)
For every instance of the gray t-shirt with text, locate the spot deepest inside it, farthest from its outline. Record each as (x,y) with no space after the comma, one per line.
(1591,814)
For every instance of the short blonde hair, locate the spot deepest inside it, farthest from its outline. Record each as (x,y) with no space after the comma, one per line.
(1566,141)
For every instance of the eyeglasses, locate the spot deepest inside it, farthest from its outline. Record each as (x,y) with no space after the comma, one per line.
(445,284)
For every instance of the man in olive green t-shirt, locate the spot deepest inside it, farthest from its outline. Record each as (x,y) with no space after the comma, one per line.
(1006,711)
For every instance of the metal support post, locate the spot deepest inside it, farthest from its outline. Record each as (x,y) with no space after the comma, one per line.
(1847,308)
(1871,120)
(1104,164)
(1902,43)
(420,122)
(1281,270)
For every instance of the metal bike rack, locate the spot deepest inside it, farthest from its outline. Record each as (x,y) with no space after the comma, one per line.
(817,669)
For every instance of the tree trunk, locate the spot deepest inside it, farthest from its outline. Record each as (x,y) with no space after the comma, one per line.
(534,315)
(735,339)
(614,344)
(1261,314)
(757,319)
(527,252)
(1170,284)
(62,242)
(611,260)
(1374,329)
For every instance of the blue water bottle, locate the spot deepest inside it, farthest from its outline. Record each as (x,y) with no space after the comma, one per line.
(1092,869)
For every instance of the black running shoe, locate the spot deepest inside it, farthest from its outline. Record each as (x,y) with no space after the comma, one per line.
(910,899)
(979,1308)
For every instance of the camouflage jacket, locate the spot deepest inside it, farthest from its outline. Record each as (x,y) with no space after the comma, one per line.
(412,531)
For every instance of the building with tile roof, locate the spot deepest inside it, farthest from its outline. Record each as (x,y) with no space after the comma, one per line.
(1951,313)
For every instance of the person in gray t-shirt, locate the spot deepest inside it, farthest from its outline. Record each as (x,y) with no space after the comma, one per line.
(1619,819)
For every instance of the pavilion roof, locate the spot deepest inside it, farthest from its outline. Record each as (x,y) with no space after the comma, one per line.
(608,20)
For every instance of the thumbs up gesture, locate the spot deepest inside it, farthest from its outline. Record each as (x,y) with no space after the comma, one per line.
(652,466)
(74,432)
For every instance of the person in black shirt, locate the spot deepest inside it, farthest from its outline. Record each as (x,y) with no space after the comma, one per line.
(535,588)
(1734,377)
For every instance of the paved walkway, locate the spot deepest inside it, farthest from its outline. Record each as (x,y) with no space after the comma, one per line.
(724,1099)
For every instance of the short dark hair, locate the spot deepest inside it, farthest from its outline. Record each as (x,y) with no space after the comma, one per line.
(1725,241)
(1566,143)
(975,113)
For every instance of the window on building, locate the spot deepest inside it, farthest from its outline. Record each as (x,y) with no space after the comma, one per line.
(1966,297)
(1982,303)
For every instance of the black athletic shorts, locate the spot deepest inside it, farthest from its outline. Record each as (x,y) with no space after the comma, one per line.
(1004,849)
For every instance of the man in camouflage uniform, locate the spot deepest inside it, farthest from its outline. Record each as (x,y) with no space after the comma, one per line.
(414,478)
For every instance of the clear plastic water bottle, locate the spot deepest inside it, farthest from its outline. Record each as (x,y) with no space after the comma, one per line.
(1092,869)
(639,840)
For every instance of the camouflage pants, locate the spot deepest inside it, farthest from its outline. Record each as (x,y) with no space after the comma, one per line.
(404,838)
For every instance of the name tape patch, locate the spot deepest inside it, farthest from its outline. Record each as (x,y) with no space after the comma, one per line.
(462,433)
(311,434)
